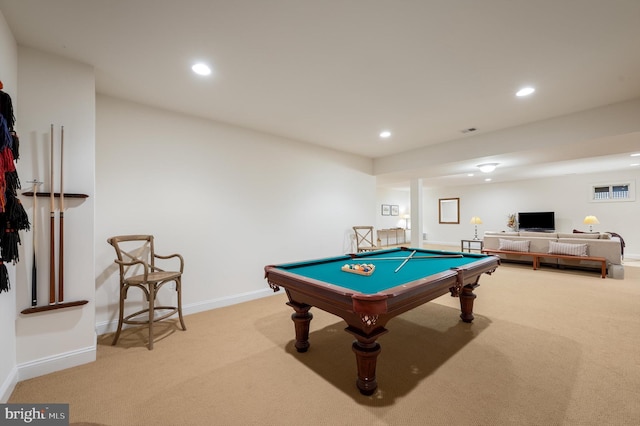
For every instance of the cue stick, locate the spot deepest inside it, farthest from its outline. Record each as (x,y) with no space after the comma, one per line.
(405,261)
(52,255)
(61,246)
(446,256)
(34,268)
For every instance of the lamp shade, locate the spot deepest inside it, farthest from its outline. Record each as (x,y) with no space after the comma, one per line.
(591,220)
(476,220)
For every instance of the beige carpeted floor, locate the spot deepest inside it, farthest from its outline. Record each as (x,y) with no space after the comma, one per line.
(547,347)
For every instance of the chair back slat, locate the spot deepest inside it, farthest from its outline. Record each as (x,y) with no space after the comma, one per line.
(364,238)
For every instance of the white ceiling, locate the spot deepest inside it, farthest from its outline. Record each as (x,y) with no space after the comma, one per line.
(336,72)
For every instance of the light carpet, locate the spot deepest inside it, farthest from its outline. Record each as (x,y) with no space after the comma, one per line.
(547,347)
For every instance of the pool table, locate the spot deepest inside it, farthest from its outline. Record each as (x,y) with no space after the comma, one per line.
(368,300)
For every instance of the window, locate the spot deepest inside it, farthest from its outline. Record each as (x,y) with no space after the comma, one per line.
(613,192)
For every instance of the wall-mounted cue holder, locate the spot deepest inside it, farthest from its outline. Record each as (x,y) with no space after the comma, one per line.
(61,305)
(53,307)
(55,194)
(56,298)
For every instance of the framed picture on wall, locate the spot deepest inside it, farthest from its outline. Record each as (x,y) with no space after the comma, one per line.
(386,210)
(449,210)
(395,210)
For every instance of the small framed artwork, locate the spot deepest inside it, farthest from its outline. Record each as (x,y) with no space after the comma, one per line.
(386,210)
(395,210)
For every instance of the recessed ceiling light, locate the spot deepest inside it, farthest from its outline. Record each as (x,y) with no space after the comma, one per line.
(201,69)
(487,167)
(635,164)
(469,174)
(385,134)
(487,180)
(636,154)
(525,91)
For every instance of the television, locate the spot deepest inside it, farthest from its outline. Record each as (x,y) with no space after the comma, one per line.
(536,221)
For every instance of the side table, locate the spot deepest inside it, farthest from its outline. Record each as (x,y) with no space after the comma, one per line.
(469,245)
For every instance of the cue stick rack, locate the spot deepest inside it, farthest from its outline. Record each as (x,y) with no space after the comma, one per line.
(55,194)
(62,305)
(54,303)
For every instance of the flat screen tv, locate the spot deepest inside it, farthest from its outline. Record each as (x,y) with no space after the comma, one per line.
(536,221)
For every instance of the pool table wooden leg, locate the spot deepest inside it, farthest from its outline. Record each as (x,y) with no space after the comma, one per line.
(367,350)
(301,319)
(466,302)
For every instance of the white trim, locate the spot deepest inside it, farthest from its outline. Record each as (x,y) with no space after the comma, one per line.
(9,385)
(104,327)
(631,256)
(42,366)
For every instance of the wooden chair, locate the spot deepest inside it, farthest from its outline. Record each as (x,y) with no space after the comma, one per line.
(138,269)
(364,238)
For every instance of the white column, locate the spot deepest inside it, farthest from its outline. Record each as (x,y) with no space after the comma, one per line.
(416,213)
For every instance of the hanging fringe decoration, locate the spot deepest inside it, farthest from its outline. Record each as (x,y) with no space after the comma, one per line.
(5,138)
(5,285)
(9,245)
(6,162)
(16,215)
(12,182)
(15,147)
(13,217)
(6,109)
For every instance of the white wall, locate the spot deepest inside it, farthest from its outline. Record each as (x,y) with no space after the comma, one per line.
(230,200)
(567,196)
(392,197)
(8,370)
(60,92)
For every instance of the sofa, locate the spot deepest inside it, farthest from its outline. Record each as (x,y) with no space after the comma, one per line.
(601,245)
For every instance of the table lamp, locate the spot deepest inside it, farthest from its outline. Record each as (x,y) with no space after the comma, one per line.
(590,220)
(406,218)
(476,221)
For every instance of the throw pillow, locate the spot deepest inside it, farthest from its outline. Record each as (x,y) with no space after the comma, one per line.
(511,245)
(568,249)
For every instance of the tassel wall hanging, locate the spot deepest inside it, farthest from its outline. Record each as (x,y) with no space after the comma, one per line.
(13,217)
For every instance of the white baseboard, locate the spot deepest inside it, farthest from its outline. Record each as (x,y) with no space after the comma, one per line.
(8,386)
(111,326)
(66,360)
(40,367)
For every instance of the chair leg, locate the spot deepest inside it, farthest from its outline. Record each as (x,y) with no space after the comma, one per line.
(179,290)
(120,316)
(152,304)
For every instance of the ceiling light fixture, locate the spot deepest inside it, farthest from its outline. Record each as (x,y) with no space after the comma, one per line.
(385,134)
(525,91)
(201,69)
(487,167)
